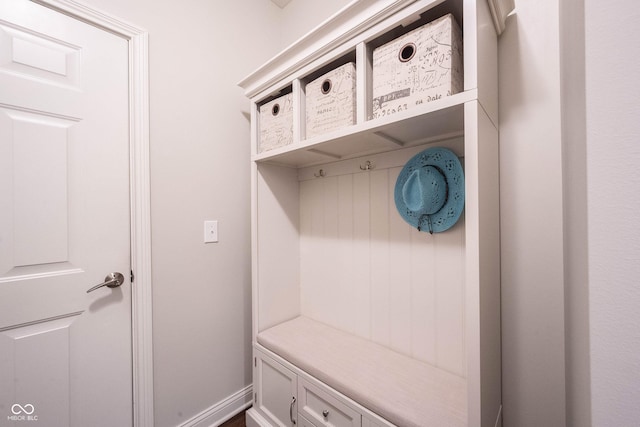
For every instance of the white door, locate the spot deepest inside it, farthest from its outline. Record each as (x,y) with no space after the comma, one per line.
(65,354)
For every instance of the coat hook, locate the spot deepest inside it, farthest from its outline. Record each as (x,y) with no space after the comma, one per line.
(319,174)
(367,166)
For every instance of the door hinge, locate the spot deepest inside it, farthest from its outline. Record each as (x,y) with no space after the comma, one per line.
(255,362)
(255,398)
(132,276)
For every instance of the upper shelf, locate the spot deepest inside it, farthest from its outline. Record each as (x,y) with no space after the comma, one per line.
(437,120)
(326,37)
(338,29)
(352,35)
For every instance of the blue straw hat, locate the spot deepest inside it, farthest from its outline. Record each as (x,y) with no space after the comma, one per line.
(429,192)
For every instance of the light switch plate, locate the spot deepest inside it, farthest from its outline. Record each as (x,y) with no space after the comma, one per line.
(211,231)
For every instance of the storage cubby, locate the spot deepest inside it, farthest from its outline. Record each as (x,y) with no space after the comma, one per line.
(330,251)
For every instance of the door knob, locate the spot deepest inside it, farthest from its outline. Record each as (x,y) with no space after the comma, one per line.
(113,280)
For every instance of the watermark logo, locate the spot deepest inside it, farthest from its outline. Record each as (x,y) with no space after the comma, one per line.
(18,409)
(23,412)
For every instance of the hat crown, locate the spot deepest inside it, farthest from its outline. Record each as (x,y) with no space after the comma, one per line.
(425,190)
(429,190)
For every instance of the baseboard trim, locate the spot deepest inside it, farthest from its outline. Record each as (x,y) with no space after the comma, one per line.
(255,419)
(499,417)
(223,410)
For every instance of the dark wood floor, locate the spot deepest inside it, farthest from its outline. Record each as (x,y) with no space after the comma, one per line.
(237,421)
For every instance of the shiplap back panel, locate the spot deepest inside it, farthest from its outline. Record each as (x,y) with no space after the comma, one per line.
(364,270)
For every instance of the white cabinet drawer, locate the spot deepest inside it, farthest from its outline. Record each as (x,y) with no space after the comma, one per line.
(324,410)
(303,422)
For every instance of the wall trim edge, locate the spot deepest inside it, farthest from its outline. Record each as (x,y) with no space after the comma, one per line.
(223,410)
(141,308)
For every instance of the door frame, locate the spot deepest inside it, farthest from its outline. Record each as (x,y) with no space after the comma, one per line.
(141,310)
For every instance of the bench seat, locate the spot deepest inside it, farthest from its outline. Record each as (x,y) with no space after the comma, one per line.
(405,391)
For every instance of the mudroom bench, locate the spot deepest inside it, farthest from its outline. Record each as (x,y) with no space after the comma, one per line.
(398,388)
(384,114)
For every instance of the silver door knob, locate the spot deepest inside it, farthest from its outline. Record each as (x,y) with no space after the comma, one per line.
(113,280)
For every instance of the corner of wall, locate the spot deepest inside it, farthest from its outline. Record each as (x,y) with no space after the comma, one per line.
(573,104)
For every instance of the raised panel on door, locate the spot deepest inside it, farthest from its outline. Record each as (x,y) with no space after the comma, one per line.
(276,391)
(44,387)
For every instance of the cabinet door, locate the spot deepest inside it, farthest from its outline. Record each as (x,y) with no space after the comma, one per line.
(276,391)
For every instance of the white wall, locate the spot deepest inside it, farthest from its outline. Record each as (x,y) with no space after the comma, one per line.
(613,194)
(199,50)
(301,16)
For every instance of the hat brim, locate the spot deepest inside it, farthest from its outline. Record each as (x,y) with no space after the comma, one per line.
(449,164)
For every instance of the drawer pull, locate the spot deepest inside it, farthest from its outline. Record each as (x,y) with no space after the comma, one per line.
(293,402)
(325,413)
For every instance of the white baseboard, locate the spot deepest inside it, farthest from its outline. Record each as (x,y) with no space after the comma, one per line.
(223,410)
(499,417)
(254,419)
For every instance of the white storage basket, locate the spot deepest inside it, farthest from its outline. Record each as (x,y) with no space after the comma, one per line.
(331,101)
(421,66)
(276,123)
